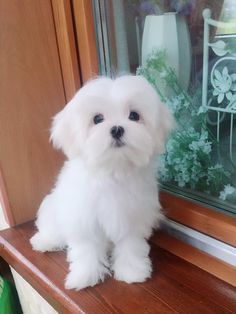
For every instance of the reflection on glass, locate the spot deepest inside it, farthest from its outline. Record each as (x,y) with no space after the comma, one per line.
(187,50)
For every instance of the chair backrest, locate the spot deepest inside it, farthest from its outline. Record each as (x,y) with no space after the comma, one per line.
(219,75)
(31,89)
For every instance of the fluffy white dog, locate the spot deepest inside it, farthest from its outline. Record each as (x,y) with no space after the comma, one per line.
(105,202)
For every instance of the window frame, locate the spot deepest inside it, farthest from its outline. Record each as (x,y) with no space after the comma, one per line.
(199,217)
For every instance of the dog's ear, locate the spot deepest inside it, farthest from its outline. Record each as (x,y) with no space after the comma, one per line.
(62,129)
(165,124)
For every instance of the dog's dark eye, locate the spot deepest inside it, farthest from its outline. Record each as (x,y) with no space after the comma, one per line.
(134,116)
(98,118)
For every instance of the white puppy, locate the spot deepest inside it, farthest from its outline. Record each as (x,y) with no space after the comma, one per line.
(106,195)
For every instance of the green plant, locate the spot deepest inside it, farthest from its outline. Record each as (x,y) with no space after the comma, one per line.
(188,159)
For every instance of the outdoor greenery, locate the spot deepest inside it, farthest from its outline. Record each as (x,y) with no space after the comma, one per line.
(193,157)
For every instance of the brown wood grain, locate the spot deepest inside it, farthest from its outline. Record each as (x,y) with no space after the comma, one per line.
(86,38)
(31,90)
(176,285)
(198,217)
(4,202)
(67,47)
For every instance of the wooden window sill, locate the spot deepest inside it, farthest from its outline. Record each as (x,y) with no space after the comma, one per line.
(176,285)
(200,218)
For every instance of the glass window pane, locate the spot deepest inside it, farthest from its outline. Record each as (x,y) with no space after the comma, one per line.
(187,50)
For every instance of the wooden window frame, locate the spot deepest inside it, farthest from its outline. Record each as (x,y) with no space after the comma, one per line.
(86,38)
(198,217)
(76,41)
(64,28)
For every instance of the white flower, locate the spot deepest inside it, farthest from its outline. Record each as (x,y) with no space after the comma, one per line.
(163,74)
(201,143)
(202,109)
(228,190)
(224,84)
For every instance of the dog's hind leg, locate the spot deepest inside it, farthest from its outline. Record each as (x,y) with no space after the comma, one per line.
(47,238)
(43,241)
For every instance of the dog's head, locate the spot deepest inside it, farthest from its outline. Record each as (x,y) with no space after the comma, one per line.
(113,123)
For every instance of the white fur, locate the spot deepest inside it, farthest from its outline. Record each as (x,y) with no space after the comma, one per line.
(105,200)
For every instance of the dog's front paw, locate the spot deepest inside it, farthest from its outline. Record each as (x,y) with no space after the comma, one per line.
(135,269)
(84,275)
(131,262)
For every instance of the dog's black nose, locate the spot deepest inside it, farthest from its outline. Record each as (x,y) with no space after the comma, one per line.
(117,132)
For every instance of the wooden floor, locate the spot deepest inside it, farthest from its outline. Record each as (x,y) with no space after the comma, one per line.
(176,285)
